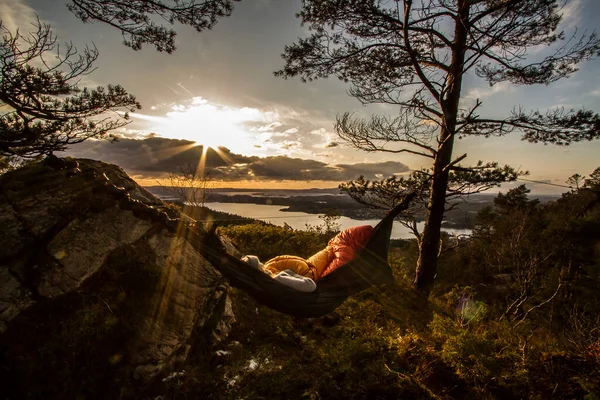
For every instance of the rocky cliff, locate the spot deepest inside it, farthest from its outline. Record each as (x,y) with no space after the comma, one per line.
(99,283)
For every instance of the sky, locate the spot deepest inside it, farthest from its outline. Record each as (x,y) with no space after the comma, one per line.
(218,89)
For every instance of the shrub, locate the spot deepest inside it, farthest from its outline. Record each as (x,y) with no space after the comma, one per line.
(267,241)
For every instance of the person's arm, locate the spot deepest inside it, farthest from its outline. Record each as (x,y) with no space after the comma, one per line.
(296,281)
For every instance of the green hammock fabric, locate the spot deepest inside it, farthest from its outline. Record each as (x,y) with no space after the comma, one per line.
(368,268)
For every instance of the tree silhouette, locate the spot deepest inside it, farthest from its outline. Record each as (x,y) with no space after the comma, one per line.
(414,54)
(386,193)
(136,19)
(193,185)
(515,199)
(575,181)
(44,110)
(593,181)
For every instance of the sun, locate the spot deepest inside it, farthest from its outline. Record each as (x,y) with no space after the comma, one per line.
(210,125)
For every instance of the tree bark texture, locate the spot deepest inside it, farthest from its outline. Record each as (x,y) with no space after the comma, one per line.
(430,242)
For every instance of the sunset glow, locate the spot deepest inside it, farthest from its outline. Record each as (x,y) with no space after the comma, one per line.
(219,90)
(212,125)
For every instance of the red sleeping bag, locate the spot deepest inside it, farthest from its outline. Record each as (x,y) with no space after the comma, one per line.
(346,244)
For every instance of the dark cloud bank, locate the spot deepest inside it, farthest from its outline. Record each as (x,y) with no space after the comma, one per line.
(154,157)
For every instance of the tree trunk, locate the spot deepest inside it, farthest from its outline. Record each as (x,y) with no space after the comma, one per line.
(430,241)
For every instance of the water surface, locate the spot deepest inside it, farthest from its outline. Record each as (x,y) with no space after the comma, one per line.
(300,220)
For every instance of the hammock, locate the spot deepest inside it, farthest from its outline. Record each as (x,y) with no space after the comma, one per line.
(368,268)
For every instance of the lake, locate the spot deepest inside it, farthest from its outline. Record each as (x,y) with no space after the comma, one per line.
(299,220)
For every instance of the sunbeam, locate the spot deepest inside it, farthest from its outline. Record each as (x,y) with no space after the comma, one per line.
(210,125)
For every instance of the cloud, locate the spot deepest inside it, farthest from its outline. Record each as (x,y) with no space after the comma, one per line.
(287,168)
(272,129)
(303,138)
(128,133)
(482,93)
(16,14)
(564,105)
(370,170)
(266,128)
(132,154)
(290,145)
(154,157)
(572,14)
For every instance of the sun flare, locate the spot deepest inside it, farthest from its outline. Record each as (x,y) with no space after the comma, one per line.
(212,125)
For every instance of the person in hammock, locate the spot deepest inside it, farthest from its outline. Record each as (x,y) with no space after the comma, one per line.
(287,277)
(302,274)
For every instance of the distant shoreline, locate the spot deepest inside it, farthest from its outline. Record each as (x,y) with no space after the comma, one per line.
(319,201)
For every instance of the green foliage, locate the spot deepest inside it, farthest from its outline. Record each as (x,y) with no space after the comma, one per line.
(593,181)
(267,241)
(515,199)
(207,216)
(480,177)
(330,219)
(535,262)
(471,352)
(10,163)
(575,181)
(357,352)
(386,193)
(496,359)
(559,126)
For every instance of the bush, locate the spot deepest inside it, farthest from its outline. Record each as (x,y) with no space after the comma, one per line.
(267,241)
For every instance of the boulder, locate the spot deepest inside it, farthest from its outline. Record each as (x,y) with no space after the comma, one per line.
(100,283)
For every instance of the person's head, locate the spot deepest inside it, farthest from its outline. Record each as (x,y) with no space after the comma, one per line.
(254,262)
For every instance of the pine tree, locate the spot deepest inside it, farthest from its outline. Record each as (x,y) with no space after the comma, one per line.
(414,54)
(44,109)
(137,19)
